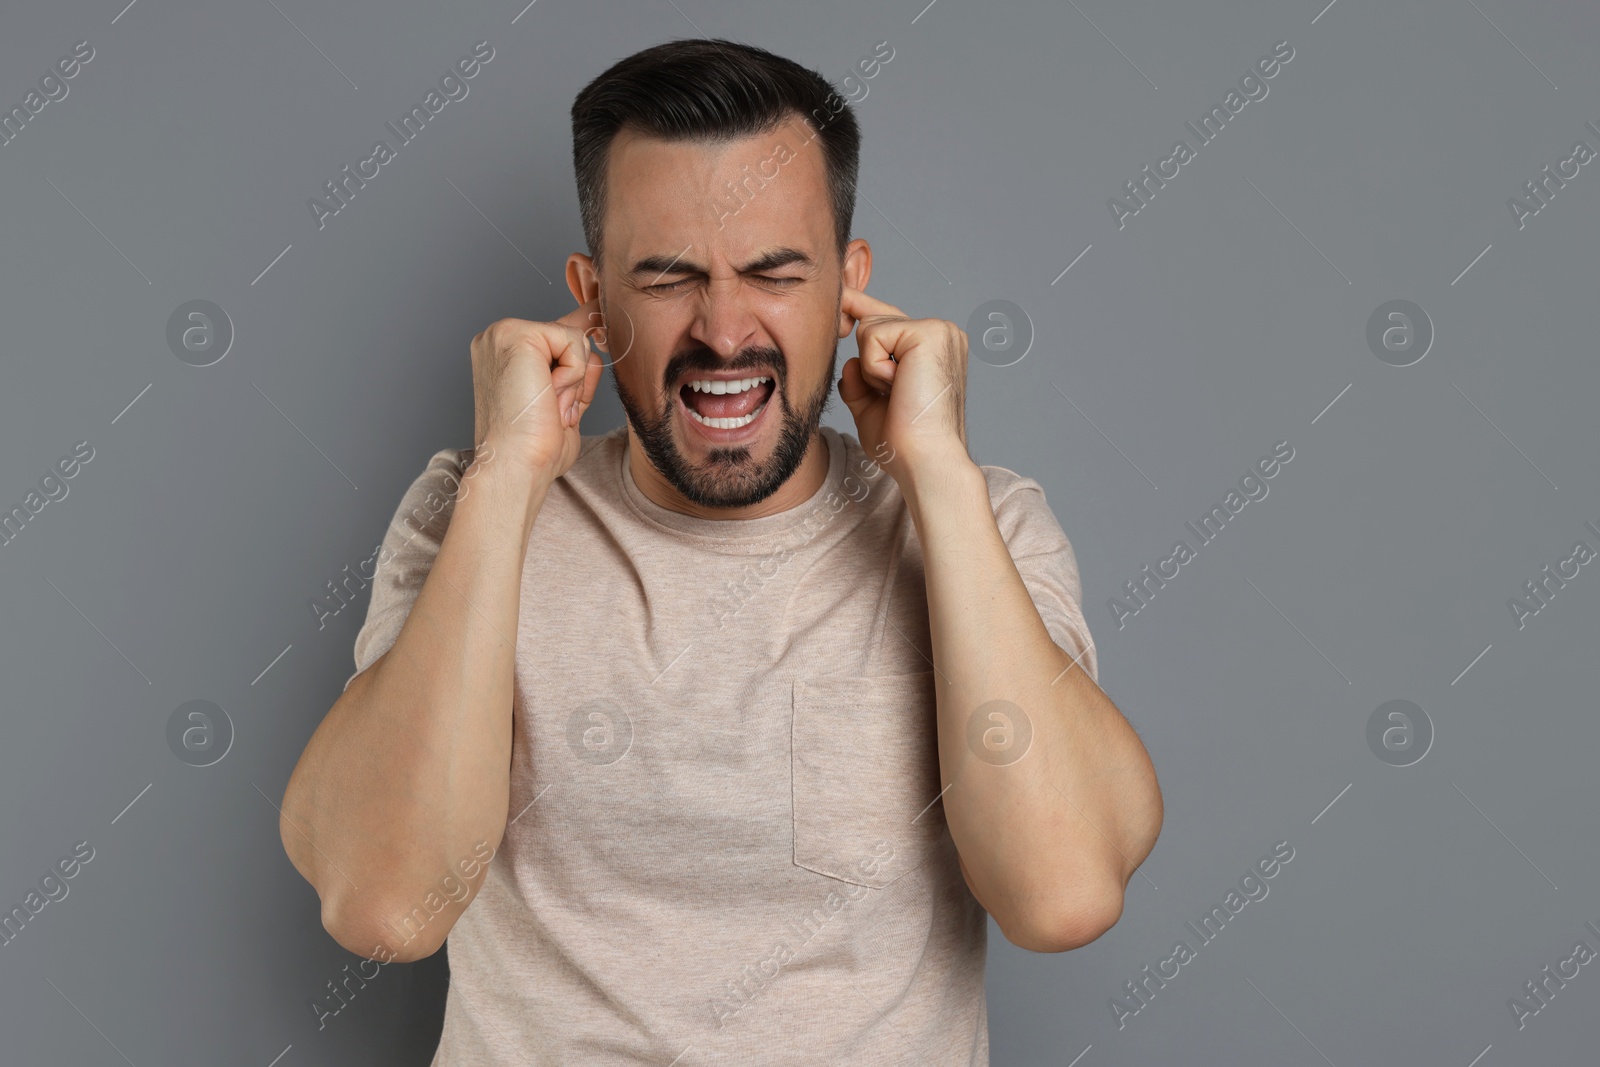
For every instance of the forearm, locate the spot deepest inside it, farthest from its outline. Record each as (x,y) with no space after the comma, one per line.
(409,771)
(1049,840)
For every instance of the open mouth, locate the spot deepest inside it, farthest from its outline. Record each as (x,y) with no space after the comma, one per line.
(726,404)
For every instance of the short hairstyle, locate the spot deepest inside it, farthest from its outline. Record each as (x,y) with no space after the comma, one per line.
(709,90)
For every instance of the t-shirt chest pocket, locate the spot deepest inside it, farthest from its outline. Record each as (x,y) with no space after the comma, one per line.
(864,761)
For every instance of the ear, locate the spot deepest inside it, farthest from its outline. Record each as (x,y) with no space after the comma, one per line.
(857,268)
(582,279)
(584,283)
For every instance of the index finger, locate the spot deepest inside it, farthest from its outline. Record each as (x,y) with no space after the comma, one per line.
(584,317)
(859,305)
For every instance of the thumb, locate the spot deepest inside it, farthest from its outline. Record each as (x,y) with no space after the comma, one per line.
(853,388)
(865,403)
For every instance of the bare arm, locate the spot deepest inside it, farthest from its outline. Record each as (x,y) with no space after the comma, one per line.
(1048,833)
(1055,836)
(407,780)
(410,770)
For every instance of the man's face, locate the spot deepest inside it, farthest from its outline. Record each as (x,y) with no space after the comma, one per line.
(721,266)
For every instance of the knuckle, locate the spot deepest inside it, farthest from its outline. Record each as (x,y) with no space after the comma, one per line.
(502,330)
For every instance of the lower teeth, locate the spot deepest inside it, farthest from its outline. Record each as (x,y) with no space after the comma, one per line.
(726,424)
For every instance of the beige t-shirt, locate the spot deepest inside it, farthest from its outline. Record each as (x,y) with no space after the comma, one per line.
(724,846)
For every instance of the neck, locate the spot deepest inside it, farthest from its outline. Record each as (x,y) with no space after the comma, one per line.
(801,486)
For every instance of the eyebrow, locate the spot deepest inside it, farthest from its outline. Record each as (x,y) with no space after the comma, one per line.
(660,264)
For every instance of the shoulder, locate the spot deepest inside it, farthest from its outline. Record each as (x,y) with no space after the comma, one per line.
(1005,483)
(1045,559)
(1027,522)
(440,475)
(598,455)
(1009,492)
(423,513)
(447,467)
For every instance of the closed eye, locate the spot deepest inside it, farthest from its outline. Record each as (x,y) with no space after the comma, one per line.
(765,279)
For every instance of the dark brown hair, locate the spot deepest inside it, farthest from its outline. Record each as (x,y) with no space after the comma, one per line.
(697,89)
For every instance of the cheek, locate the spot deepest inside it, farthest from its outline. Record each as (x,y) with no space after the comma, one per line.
(811,345)
(804,321)
(642,380)
(621,335)
(640,338)
(796,328)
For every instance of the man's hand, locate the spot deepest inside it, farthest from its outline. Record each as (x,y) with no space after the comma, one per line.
(907,388)
(531,384)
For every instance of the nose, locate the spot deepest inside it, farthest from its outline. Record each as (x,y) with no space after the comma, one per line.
(724,318)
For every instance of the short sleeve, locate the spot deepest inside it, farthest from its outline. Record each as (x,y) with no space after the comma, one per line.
(1044,557)
(406,554)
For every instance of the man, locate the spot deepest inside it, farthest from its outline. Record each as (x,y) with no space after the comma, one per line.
(713,739)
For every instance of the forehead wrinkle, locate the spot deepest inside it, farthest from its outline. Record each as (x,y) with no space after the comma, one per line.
(769,260)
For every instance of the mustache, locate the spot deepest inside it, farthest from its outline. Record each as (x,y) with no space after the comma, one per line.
(754,359)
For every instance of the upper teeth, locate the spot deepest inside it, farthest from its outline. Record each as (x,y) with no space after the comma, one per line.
(720,385)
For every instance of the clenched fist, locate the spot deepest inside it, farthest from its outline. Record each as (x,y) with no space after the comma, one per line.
(531,384)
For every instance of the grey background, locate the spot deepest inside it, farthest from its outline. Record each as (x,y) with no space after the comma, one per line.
(1225,317)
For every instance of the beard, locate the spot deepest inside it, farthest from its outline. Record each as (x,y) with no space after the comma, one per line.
(729,477)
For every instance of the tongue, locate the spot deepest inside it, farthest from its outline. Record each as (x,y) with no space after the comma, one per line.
(726,405)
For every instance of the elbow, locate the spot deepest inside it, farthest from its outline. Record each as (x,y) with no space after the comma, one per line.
(366,924)
(1064,926)
(370,924)
(374,933)
(360,922)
